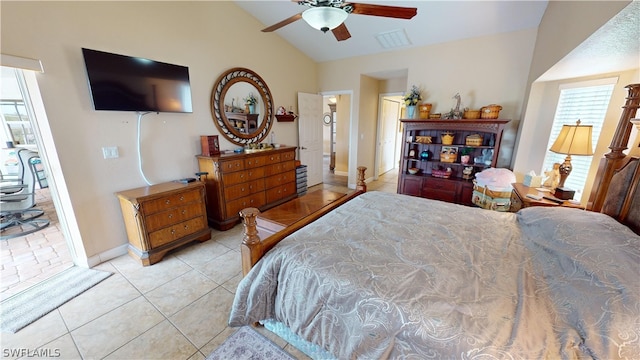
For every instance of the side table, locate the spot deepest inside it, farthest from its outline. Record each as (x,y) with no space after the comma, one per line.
(520,200)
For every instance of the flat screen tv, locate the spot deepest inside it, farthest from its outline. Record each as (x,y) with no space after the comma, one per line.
(127,83)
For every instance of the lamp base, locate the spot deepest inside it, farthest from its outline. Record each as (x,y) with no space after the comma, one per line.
(564,193)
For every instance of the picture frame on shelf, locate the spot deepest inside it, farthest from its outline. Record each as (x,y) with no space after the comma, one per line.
(412,153)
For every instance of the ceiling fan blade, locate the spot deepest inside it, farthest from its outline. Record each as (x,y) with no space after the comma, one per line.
(282,23)
(383,10)
(341,33)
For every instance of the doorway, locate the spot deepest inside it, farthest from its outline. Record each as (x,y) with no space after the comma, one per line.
(336,110)
(28,259)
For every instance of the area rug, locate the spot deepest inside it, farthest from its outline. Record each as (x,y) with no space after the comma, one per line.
(248,344)
(33,303)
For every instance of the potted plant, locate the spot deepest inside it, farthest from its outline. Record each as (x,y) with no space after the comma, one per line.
(251,101)
(411,100)
(465,155)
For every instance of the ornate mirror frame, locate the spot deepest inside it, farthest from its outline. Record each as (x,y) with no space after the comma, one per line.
(218,93)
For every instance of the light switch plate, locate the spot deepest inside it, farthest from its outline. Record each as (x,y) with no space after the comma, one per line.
(110,152)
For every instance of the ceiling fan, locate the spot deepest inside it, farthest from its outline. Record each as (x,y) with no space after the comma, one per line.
(326,15)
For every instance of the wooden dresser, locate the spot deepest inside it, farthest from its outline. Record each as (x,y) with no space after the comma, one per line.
(261,179)
(161,217)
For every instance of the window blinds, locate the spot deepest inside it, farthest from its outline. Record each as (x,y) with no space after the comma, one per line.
(588,104)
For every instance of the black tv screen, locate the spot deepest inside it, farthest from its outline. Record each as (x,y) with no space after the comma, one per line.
(126,83)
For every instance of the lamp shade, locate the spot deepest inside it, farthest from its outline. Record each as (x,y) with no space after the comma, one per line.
(324,18)
(574,140)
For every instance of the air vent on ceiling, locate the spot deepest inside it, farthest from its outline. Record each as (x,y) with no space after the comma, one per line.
(393,39)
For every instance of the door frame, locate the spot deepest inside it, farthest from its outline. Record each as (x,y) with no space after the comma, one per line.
(351,157)
(381,97)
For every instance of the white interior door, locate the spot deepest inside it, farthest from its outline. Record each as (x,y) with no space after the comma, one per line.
(310,135)
(389,125)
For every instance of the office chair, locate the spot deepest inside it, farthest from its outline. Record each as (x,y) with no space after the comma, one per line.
(17,209)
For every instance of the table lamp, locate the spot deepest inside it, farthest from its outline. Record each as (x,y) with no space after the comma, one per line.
(573,140)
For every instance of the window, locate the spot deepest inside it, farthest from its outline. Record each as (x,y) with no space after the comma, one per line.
(587,102)
(16,125)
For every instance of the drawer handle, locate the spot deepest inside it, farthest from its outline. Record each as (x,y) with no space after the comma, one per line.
(184,212)
(167,201)
(170,216)
(238,165)
(241,176)
(186,227)
(173,231)
(272,158)
(242,190)
(181,198)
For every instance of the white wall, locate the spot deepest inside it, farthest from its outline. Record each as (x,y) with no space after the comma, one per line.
(485,70)
(208,37)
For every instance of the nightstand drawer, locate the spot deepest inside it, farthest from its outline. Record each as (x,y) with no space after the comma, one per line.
(154,206)
(177,231)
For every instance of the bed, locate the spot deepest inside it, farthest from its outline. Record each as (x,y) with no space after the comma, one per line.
(382,275)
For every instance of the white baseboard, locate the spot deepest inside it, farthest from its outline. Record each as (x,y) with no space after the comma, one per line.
(107,255)
(341,173)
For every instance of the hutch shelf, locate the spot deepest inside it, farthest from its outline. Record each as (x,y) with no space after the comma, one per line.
(438,169)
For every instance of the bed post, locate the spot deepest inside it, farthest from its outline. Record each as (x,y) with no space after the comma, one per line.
(612,160)
(251,247)
(360,184)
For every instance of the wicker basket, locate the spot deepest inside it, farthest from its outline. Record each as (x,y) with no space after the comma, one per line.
(423,139)
(471,114)
(448,158)
(474,140)
(490,111)
(425,110)
(447,138)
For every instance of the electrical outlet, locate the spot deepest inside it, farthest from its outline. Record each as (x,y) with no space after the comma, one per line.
(110,152)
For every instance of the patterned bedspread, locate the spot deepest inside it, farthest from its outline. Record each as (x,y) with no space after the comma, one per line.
(394,276)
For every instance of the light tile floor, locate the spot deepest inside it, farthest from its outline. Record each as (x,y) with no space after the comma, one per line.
(175,309)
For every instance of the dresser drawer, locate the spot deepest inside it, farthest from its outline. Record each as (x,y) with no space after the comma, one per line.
(244,189)
(154,206)
(173,216)
(448,196)
(242,176)
(273,158)
(231,166)
(280,192)
(254,162)
(439,184)
(290,155)
(169,234)
(279,168)
(254,200)
(279,179)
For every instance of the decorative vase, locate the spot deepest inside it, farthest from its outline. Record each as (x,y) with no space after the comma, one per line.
(424,155)
(252,108)
(411,111)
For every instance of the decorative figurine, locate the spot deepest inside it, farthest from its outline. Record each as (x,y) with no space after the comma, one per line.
(455,113)
(553,177)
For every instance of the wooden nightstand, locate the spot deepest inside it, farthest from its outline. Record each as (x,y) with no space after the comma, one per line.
(520,200)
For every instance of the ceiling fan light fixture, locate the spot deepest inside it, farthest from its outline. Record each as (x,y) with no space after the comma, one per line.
(324,18)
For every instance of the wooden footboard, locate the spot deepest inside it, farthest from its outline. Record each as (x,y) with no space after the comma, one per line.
(253,248)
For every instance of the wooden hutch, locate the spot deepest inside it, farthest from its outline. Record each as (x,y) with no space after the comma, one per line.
(446,179)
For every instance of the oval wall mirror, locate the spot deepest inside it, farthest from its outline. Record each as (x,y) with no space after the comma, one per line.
(237,120)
